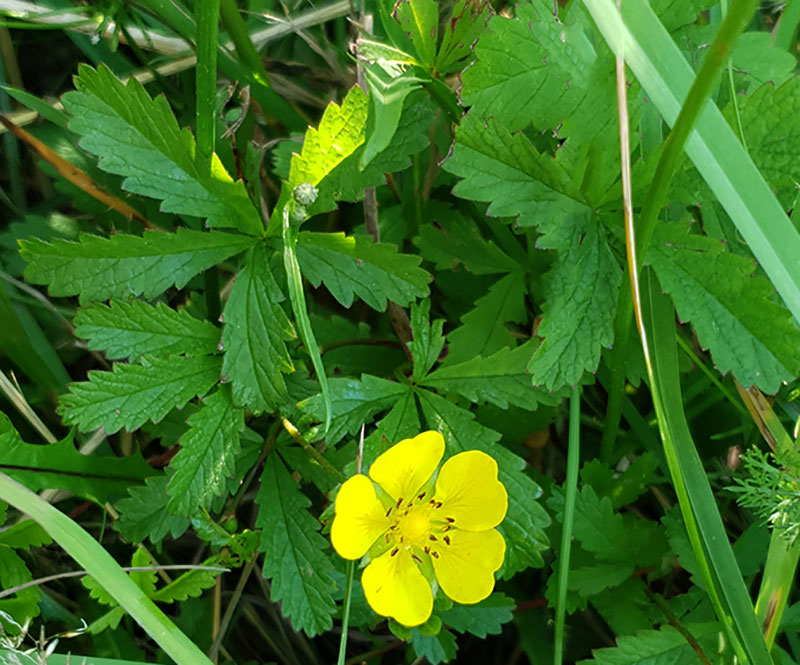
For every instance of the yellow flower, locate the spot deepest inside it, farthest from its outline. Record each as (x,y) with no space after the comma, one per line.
(415,527)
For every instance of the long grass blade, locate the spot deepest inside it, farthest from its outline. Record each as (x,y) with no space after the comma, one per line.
(93,558)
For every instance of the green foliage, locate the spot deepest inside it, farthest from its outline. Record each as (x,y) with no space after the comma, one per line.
(732,310)
(122,266)
(254,336)
(130,395)
(138,137)
(294,557)
(482,619)
(131,329)
(144,515)
(207,455)
(351,266)
(61,466)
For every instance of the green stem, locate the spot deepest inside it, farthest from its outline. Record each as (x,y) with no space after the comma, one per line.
(298,299)
(206,80)
(733,24)
(245,49)
(570,492)
(348,590)
(312,452)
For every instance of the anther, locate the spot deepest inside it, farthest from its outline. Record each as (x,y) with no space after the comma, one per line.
(416,558)
(449,519)
(435,555)
(446,527)
(394,551)
(447,539)
(388,512)
(438,504)
(432,537)
(400,502)
(421,496)
(387,536)
(427,549)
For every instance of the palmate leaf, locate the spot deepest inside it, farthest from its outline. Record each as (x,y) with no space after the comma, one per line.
(143,513)
(255,335)
(294,557)
(666,645)
(340,132)
(122,266)
(356,266)
(207,454)
(523,527)
(61,466)
(731,310)
(130,395)
(353,403)
(138,137)
(578,317)
(428,341)
(131,329)
(420,20)
(190,584)
(485,618)
(507,171)
(501,378)
(435,649)
(483,330)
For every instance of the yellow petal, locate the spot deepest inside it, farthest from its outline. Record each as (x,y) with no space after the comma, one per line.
(470,492)
(360,518)
(396,588)
(465,567)
(403,469)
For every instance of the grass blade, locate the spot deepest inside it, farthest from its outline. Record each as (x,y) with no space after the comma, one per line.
(93,558)
(713,147)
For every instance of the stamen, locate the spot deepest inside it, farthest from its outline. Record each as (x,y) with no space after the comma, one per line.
(394,551)
(388,512)
(447,539)
(427,549)
(448,519)
(400,502)
(435,554)
(410,505)
(438,504)
(432,502)
(432,537)
(421,496)
(416,558)
(388,535)
(446,527)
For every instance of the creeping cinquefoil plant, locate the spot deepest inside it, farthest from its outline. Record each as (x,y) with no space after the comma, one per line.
(421,528)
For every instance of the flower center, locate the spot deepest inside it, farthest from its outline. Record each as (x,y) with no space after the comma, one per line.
(413,525)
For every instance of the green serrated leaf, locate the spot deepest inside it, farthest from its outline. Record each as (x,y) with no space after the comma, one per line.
(578,317)
(733,312)
(130,395)
(485,618)
(293,551)
(467,22)
(356,266)
(130,329)
(598,528)
(435,649)
(138,137)
(207,454)
(666,645)
(455,240)
(428,341)
(190,584)
(523,527)
(420,21)
(143,514)
(122,266)
(340,132)
(255,335)
(24,535)
(353,403)
(501,378)
(61,466)
(483,330)
(23,604)
(507,171)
